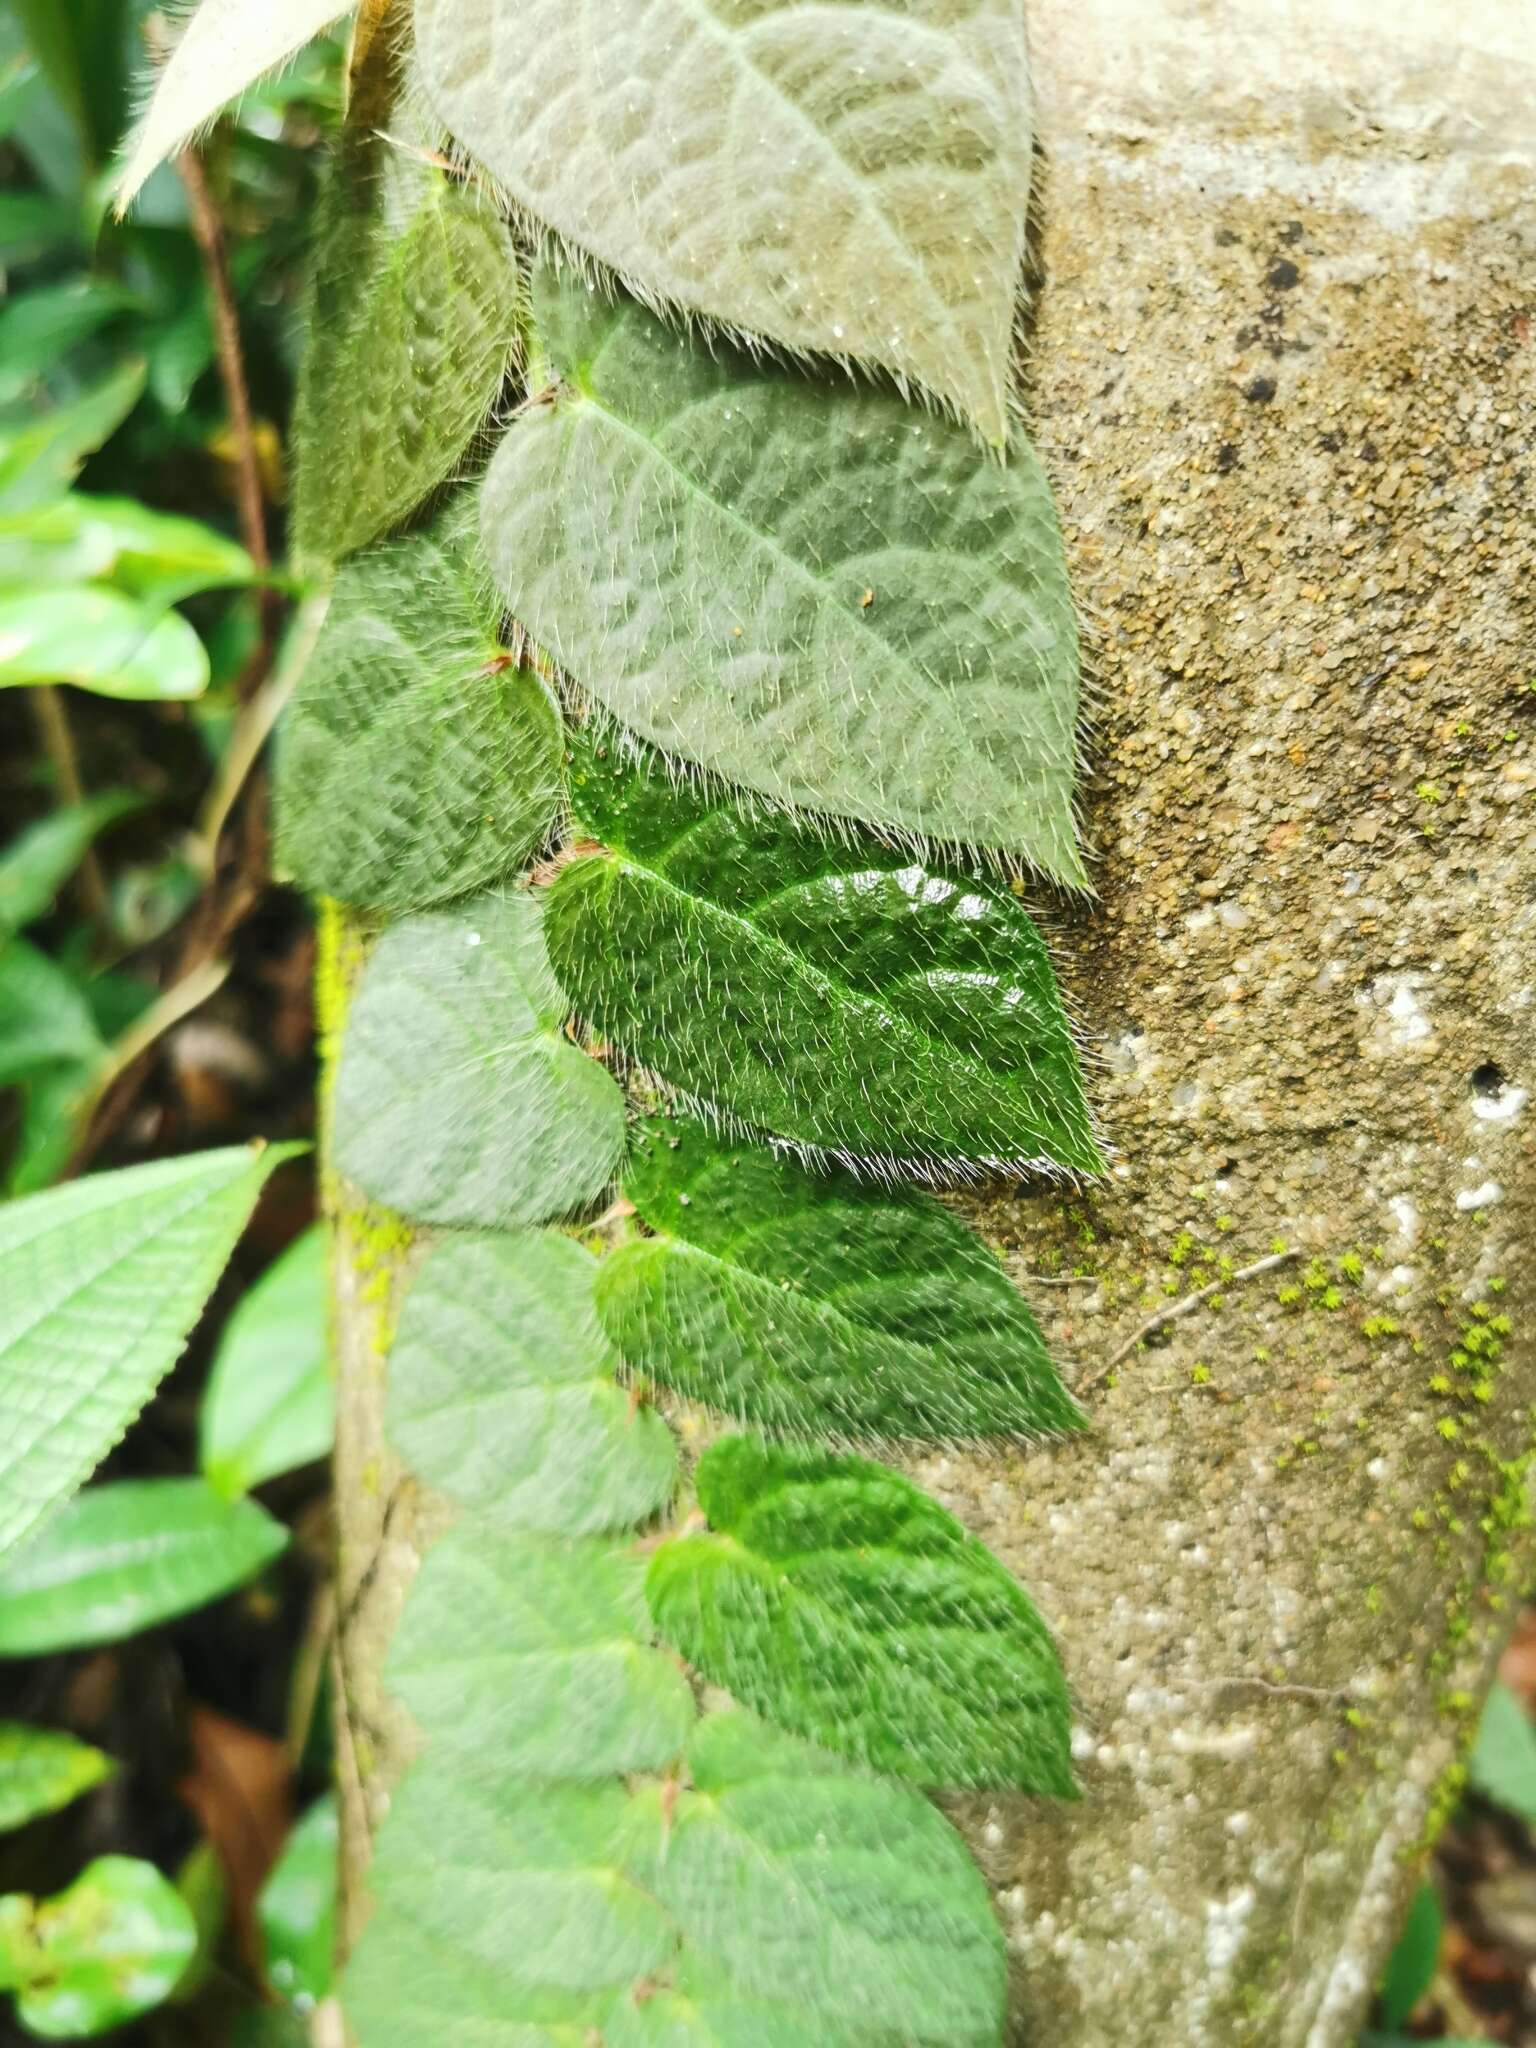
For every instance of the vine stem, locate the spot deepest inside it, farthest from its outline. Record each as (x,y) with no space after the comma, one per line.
(1176,1309)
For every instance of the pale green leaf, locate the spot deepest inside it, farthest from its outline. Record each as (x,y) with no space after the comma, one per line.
(852,179)
(42,1769)
(45,1020)
(100,1284)
(811,1303)
(798,583)
(38,862)
(123,1557)
(113,1946)
(159,556)
(414,312)
(406,1985)
(296,1910)
(40,450)
(1502,1765)
(844,996)
(268,1404)
(418,760)
(502,1392)
(533,1651)
(101,641)
(838,1600)
(226,46)
(458,1097)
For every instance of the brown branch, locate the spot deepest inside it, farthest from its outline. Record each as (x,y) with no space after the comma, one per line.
(1175,1310)
(48,709)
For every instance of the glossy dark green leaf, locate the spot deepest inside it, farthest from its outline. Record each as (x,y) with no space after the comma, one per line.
(838,1600)
(114,1945)
(297,1907)
(502,1392)
(458,1097)
(268,1404)
(122,1557)
(802,585)
(417,761)
(845,997)
(1411,1966)
(812,1303)
(42,1769)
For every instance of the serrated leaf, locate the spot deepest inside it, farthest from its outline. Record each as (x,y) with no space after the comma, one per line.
(226,46)
(268,1404)
(417,761)
(502,1391)
(1502,1765)
(846,997)
(810,1303)
(101,641)
(414,311)
(797,583)
(841,1602)
(296,1910)
(36,864)
(100,1284)
(851,179)
(123,1557)
(534,1651)
(43,1769)
(45,1020)
(113,1945)
(458,1098)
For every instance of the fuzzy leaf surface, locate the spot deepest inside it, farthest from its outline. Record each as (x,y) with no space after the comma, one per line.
(268,1406)
(43,1769)
(845,997)
(416,762)
(535,1651)
(413,314)
(797,583)
(502,1391)
(458,1098)
(811,1303)
(849,179)
(839,1601)
(100,1284)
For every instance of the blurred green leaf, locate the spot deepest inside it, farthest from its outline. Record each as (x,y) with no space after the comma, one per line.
(157,556)
(112,1946)
(297,1907)
(82,48)
(31,223)
(53,1101)
(42,1769)
(100,641)
(125,1556)
(36,864)
(270,2026)
(1502,1766)
(45,1020)
(41,451)
(39,327)
(202,1883)
(268,1407)
(1411,1966)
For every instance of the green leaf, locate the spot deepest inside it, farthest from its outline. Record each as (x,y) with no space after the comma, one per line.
(810,1303)
(100,1284)
(418,760)
(797,583)
(502,1391)
(846,997)
(160,557)
(38,862)
(38,328)
(227,45)
(1502,1766)
(43,1769)
(45,1020)
(297,1907)
(837,1599)
(268,1404)
(1412,1964)
(852,179)
(41,450)
(100,641)
(123,1557)
(414,310)
(54,1100)
(113,1946)
(533,1651)
(458,1098)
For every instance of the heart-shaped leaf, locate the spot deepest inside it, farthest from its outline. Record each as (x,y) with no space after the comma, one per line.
(799,584)
(810,1303)
(502,1391)
(841,1602)
(851,179)
(844,996)
(458,1098)
(42,1769)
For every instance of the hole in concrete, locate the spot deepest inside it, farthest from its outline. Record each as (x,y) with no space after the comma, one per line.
(1489,1078)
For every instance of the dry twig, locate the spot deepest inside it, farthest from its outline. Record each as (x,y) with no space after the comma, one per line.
(1176,1309)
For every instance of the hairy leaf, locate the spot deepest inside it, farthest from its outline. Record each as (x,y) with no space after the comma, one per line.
(534,1651)
(123,1557)
(42,1769)
(100,1284)
(227,46)
(417,761)
(852,179)
(840,1601)
(407,1984)
(413,314)
(115,1944)
(502,1391)
(808,1302)
(458,1098)
(268,1404)
(296,1910)
(845,997)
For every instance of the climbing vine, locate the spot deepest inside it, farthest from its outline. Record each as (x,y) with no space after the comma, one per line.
(699,679)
